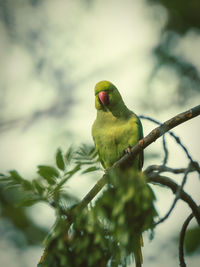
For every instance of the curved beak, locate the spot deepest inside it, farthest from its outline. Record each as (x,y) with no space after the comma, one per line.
(103,97)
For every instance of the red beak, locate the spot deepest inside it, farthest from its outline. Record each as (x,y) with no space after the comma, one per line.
(103,97)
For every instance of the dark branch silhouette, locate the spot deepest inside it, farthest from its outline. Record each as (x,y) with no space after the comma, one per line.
(163,180)
(181,240)
(177,197)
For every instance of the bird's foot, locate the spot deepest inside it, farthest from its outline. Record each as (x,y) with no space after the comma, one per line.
(127,150)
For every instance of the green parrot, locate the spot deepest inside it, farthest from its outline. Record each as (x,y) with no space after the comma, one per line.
(116,128)
(114,131)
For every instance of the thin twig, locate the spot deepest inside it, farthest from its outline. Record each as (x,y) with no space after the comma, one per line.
(163,180)
(164,168)
(181,240)
(166,152)
(177,197)
(170,133)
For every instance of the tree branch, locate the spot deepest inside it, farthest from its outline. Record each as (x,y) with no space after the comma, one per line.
(142,144)
(177,139)
(157,132)
(163,180)
(166,152)
(189,168)
(181,240)
(164,168)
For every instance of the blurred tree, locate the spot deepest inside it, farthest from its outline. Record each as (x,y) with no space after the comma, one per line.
(32,38)
(182,18)
(21,221)
(183,15)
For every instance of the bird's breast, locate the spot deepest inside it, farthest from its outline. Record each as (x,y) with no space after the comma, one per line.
(112,139)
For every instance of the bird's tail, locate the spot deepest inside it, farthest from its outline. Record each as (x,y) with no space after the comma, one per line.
(138,254)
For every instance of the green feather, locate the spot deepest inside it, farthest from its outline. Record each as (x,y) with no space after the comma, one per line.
(116,127)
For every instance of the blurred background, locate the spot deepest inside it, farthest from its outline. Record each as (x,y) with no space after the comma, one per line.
(52,54)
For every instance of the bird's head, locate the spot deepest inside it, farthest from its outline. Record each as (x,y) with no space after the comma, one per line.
(106,95)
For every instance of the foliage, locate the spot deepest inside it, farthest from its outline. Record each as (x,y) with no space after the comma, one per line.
(182,18)
(17,193)
(108,230)
(192,240)
(28,233)
(48,187)
(132,211)
(183,15)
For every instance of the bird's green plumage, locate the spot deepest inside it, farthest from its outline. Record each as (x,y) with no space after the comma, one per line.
(115,129)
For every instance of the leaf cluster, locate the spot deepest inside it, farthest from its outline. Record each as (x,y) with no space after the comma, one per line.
(109,231)
(132,211)
(49,185)
(192,241)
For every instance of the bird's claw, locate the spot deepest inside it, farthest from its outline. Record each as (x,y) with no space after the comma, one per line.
(127,150)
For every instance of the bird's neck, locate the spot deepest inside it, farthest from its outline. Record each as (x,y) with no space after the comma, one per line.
(119,111)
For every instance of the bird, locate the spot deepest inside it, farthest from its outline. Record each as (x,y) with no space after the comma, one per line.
(115,130)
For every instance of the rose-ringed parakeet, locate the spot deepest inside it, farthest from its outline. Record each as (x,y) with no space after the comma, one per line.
(114,131)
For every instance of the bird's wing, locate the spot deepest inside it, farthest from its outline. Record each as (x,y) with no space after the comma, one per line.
(141,155)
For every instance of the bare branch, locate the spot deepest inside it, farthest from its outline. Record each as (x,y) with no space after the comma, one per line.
(177,139)
(163,168)
(163,180)
(181,240)
(166,153)
(178,192)
(157,169)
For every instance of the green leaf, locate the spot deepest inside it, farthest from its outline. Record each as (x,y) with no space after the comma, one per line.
(192,240)
(18,180)
(60,160)
(86,152)
(29,200)
(69,155)
(91,169)
(84,162)
(11,184)
(16,176)
(27,185)
(38,186)
(49,173)
(5,179)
